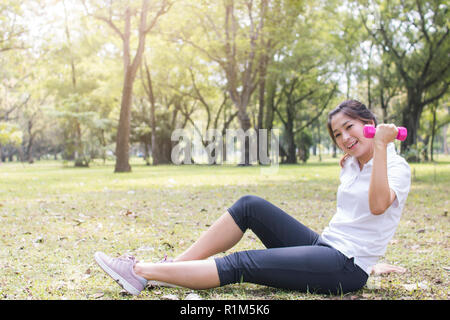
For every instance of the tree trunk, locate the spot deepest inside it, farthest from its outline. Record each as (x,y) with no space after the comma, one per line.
(29,151)
(244,121)
(79,152)
(292,156)
(433,131)
(103,143)
(319,140)
(270,107)
(151,97)
(123,132)
(130,68)
(444,136)
(411,119)
(262,89)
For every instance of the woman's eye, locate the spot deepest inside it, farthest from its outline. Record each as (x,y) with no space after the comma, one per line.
(337,135)
(349,126)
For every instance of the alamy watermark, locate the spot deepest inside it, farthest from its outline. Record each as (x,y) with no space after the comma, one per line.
(229,149)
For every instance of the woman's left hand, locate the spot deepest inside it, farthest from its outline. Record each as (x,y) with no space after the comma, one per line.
(385,134)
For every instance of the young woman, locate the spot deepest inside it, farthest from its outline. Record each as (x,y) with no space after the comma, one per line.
(375,182)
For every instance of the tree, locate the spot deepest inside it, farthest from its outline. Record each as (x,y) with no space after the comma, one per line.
(116,16)
(388,85)
(347,39)
(303,70)
(434,118)
(231,33)
(11,27)
(414,34)
(76,76)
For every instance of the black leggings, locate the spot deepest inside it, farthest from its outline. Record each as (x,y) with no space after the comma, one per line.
(296,257)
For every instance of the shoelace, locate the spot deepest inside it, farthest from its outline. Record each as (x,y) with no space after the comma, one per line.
(127,257)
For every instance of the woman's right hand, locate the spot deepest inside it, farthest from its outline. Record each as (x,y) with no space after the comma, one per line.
(385,134)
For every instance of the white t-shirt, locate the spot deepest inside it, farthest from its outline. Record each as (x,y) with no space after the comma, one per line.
(354,230)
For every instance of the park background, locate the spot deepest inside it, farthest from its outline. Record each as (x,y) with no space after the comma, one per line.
(91,89)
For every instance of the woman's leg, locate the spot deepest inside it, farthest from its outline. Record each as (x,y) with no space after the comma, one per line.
(272,226)
(318,268)
(197,274)
(293,262)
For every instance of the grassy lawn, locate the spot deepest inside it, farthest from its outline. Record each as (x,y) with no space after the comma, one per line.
(54,217)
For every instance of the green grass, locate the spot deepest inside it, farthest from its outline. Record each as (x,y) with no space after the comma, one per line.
(54,217)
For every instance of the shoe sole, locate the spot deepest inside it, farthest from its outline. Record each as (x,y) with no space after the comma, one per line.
(116,277)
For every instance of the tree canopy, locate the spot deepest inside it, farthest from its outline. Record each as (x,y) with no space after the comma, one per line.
(83,79)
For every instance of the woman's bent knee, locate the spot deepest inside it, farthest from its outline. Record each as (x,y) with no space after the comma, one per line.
(250,202)
(243,208)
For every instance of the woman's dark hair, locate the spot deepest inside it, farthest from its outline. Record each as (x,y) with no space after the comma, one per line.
(354,109)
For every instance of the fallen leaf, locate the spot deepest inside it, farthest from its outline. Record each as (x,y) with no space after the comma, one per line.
(193,296)
(168,245)
(415,286)
(39,239)
(98,295)
(373,283)
(78,221)
(410,287)
(131,214)
(423,285)
(170,297)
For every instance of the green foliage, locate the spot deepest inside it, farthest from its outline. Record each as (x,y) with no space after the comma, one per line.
(10,134)
(61,68)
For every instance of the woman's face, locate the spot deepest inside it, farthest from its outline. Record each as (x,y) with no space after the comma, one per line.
(349,136)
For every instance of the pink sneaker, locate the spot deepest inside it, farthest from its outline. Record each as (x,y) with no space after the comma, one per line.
(121,270)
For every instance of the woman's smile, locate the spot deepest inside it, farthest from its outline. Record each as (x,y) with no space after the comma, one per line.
(352,145)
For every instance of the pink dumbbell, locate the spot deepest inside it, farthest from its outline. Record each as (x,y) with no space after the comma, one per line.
(369,132)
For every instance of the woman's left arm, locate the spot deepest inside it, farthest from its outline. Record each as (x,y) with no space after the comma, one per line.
(381,196)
